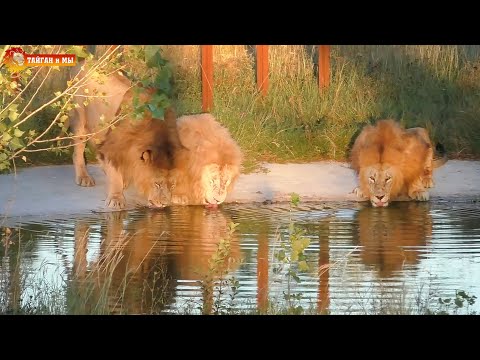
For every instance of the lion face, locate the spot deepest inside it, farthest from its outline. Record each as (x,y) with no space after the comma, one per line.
(379,180)
(215,181)
(152,182)
(159,193)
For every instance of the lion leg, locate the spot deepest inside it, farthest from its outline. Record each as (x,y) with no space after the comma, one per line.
(417,191)
(115,198)
(422,135)
(427,178)
(359,193)
(82,178)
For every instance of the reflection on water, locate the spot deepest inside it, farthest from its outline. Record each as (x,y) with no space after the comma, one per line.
(390,240)
(400,259)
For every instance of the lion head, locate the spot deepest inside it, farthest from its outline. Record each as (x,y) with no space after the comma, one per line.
(380,183)
(152,181)
(215,183)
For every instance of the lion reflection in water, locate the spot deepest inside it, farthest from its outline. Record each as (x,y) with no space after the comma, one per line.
(141,259)
(391,239)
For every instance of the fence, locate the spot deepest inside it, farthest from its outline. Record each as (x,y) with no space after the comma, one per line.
(262,71)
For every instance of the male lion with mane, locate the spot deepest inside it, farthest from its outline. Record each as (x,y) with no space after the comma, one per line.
(207,172)
(135,152)
(141,154)
(392,163)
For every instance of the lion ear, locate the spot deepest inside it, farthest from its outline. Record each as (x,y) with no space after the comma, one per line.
(147,156)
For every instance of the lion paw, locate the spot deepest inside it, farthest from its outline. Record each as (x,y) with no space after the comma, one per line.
(359,193)
(428,183)
(85,180)
(421,195)
(115,201)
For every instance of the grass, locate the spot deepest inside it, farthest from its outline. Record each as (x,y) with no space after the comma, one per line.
(432,86)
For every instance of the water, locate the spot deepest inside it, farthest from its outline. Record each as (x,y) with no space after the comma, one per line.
(361,260)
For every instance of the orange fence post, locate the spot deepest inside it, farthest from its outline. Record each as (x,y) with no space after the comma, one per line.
(262,68)
(207,77)
(323,66)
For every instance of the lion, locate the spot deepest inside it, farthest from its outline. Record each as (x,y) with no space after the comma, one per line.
(208,171)
(85,120)
(393,163)
(139,153)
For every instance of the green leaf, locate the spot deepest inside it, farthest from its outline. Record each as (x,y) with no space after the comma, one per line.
(13,115)
(152,56)
(281,255)
(3,156)
(305,242)
(3,127)
(294,199)
(18,133)
(6,137)
(303,266)
(158,113)
(296,278)
(79,51)
(16,143)
(459,302)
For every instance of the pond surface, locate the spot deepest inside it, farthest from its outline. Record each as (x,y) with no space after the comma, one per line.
(360,260)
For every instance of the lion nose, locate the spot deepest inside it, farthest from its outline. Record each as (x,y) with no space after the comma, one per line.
(380,197)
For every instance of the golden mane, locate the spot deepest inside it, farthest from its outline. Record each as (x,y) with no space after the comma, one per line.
(391,162)
(208,143)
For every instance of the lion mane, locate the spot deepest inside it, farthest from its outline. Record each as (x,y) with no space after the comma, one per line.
(393,163)
(208,171)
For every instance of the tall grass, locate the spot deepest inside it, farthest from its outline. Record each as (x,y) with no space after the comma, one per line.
(432,86)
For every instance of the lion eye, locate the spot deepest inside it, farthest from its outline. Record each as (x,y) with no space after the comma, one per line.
(372,179)
(157,185)
(388,179)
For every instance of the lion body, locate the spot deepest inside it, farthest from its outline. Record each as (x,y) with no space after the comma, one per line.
(208,171)
(392,163)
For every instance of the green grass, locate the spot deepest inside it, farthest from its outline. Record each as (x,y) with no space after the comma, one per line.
(432,86)
(437,87)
